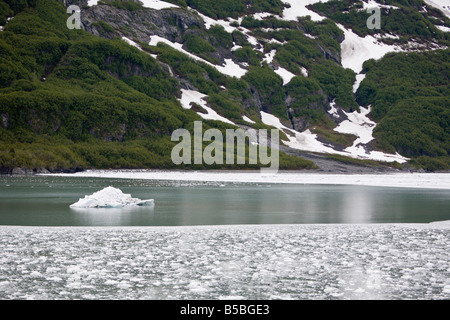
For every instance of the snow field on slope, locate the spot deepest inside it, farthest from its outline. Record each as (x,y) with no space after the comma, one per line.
(298,9)
(443,5)
(247,119)
(157,4)
(151,4)
(355,50)
(192,96)
(230,68)
(224,262)
(357,124)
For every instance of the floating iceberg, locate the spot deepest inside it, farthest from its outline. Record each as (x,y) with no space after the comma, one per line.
(111,197)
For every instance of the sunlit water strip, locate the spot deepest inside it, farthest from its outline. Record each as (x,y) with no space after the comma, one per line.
(376,261)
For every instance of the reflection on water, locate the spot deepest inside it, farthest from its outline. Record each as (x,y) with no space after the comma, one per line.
(358,206)
(111,216)
(45,201)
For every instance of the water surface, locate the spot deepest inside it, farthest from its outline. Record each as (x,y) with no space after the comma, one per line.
(45,201)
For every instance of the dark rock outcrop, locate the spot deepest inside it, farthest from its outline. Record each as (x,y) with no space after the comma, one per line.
(138,24)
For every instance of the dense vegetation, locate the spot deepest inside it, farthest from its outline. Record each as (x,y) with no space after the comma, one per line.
(410,101)
(231,8)
(71,100)
(407,21)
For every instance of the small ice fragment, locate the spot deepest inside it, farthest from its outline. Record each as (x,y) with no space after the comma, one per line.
(110,197)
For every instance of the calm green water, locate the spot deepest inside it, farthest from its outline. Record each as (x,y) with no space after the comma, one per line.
(44,201)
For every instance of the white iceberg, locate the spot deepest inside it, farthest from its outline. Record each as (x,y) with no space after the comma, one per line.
(111,197)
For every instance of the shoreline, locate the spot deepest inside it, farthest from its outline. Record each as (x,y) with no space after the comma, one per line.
(377,179)
(443,224)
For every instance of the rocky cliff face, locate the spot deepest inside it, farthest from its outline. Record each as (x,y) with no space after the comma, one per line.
(267,51)
(175,25)
(139,24)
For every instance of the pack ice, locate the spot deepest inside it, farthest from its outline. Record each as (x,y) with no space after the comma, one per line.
(110,197)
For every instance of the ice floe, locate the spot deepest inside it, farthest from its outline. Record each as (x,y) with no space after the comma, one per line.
(255,262)
(397,180)
(110,197)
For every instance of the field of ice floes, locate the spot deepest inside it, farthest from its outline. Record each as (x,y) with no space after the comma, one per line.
(227,262)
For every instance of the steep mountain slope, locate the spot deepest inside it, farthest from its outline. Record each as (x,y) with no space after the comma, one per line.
(111,96)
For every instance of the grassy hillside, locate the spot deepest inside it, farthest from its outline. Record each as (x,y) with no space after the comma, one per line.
(72,100)
(409,94)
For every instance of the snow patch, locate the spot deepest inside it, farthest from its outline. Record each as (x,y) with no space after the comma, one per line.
(134,44)
(189,96)
(304,71)
(357,124)
(355,49)
(230,68)
(373,4)
(310,36)
(7,21)
(247,119)
(297,140)
(235,47)
(386,36)
(110,197)
(192,96)
(443,28)
(226,24)
(298,9)
(360,125)
(157,4)
(270,56)
(261,15)
(276,41)
(131,43)
(359,78)
(333,110)
(286,75)
(442,5)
